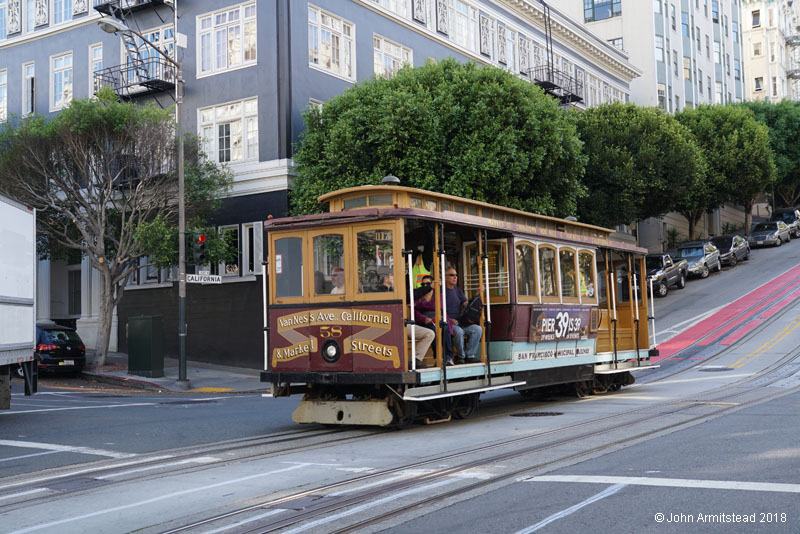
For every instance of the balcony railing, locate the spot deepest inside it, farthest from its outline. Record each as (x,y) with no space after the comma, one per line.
(138,78)
(113,7)
(558,83)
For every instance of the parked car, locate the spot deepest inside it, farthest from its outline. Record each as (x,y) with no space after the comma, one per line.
(702,257)
(789,216)
(665,273)
(769,233)
(732,248)
(59,349)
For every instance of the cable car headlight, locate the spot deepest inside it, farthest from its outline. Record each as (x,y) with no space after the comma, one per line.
(331,351)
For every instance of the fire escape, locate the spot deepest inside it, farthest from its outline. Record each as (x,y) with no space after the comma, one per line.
(145,72)
(793,70)
(555,82)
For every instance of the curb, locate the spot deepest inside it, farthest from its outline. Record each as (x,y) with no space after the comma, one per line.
(133,383)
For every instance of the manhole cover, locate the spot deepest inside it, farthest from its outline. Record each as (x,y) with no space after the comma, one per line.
(536,414)
(715,369)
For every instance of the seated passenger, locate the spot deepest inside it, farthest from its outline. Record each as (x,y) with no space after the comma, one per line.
(387,283)
(425,306)
(456,302)
(337,276)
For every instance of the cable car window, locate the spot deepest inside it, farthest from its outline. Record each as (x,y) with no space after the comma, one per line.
(375,261)
(430,205)
(289,267)
(569,287)
(547,272)
(471,210)
(329,268)
(526,275)
(380,200)
(586,270)
(602,278)
(416,202)
(357,202)
(458,208)
(445,206)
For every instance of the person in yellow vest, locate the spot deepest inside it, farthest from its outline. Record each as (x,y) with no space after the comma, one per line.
(419,271)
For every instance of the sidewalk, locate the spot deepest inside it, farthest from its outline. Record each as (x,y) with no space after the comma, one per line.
(201,377)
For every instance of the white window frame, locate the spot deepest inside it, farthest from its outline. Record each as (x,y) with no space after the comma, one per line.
(383,49)
(255,247)
(28,99)
(61,99)
(3,16)
(213,38)
(343,55)
(398,7)
(95,65)
(463,24)
(758,84)
(65,11)
(210,118)
(3,95)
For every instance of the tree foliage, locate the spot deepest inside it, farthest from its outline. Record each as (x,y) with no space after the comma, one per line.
(461,129)
(736,148)
(101,174)
(783,121)
(639,160)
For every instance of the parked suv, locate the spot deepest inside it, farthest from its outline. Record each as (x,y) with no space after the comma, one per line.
(702,257)
(791,217)
(665,273)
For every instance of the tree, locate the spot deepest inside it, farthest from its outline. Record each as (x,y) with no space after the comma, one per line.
(783,121)
(736,147)
(639,161)
(101,174)
(461,129)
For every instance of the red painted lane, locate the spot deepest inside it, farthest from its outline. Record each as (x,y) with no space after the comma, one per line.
(711,338)
(736,336)
(701,329)
(781,305)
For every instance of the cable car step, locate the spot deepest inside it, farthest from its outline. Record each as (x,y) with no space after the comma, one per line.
(609,369)
(426,393)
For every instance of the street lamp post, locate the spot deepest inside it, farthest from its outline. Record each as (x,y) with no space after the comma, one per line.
(112,25)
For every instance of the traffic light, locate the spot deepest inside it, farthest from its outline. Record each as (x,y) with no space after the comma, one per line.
(198,248)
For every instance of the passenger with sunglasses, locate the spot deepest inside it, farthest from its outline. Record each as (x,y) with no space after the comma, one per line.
(456,302)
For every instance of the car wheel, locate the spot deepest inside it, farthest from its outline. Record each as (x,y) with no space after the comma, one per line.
(662,290)
(733,261)
(747,255)
(704,272)
(719,266)
(18,372)
(780,242)
(682,281)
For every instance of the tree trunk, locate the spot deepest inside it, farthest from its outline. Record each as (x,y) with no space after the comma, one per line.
(748,208)
(106,316)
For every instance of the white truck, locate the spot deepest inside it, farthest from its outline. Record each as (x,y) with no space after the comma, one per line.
(17,297)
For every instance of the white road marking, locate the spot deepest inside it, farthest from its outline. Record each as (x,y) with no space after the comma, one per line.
(22,493)
(47,526)
(200,460)
(572,509)
(27,456)
(244,522)
(672,483)
(366,506)
(81,472)
(79,408)
(65,448)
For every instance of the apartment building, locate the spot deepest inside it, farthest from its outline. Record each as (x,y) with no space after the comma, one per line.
(251,69)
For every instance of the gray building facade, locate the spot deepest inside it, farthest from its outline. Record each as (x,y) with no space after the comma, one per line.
(250,70)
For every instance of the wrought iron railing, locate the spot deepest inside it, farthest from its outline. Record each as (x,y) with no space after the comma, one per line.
(558,83)
(138,77)
(113,7)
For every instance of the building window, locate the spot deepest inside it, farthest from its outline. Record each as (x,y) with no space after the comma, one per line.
(660,48)
(718,87)
(756,18)
(95,65)
(675,62)
(662,98)
(389,57)
(725,24)
(616,43)
(601,9)
(757,49)
(463,24)
(672,16)
(28,89)
(717,58)
(62,11)
(708,47)
(687,69)
(3,95)
(759,85)
(252,246)
(510,42)
(728,64)
(774,86)
(685,24)
(331,43)
(231,236)
(677,103)
(230,131)
(708,86)
(735,31)
(400,7)
(715,10)
(737,72)
(164,38)
(29,15)
(657,6)
(227,39)
(3,15)
(61,69)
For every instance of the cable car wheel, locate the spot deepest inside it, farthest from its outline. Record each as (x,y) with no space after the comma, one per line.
(465,405)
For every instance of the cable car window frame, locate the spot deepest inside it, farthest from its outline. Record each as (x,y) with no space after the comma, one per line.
(576,282)
(587,299)
(556,299)
(273,289)
(528,299)
(311,267)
